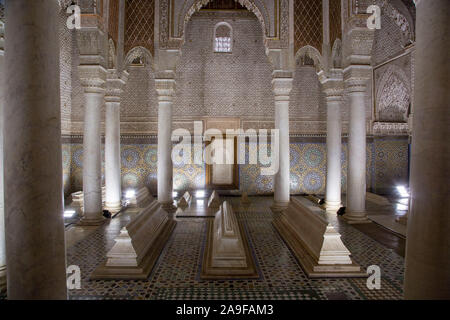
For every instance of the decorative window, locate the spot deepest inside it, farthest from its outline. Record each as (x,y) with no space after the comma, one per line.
(223,37)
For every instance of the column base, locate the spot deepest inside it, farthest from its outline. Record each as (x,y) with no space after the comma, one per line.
(402,219)
(3,279)
(332,206)
(169,207)
(91,222)
(279,206)
(356,217)
(113,207)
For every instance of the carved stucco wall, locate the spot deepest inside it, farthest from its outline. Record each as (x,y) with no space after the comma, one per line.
(65,66)
(397,29)
(307,98)
(139,96)
(224,84)
(221,84)
(394,95)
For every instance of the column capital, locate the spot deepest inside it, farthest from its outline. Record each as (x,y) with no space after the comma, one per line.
(334,93)
(332,84)
(115,85)
(282,87)
(356,78)
(92,78)
(165,89)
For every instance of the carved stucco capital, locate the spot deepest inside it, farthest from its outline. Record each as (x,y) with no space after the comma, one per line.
(165,89)
(92,78)
(356,78)
(282,86)
(115,85)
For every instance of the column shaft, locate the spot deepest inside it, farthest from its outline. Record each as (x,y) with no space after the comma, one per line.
(282,176)
(112,157)
(282,88)
(165,165)
(165,89)
(356,177)
(356,77)
(427,273)
(114,88)
(2,207)
(334,133)
(92,170)
(35,248)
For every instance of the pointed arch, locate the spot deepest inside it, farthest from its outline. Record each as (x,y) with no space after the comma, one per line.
(255,6)
(139,52)
(312,53)
(393,96)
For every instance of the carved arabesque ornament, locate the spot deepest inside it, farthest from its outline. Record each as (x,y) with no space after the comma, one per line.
(312,53)
(393,96)
(139,52)
(399,19)
(166,41)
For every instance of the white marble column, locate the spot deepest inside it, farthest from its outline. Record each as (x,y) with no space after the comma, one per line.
(93,79)
(35,248)
(356,77)
(166,90)
(427,261)
(282,87)
(114,87)
(2,207)
(333,88)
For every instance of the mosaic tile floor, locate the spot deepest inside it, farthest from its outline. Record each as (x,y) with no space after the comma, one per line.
(176,274)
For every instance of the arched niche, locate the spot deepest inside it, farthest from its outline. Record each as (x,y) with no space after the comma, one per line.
(393,96)
(309,53)
(138,53)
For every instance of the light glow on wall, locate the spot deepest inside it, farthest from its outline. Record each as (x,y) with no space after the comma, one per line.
(69,213)
(130,194)
(403,192)
(200,194)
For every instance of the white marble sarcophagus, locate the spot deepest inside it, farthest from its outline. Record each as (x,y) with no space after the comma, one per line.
(138,245)
(315,242)
(227,254)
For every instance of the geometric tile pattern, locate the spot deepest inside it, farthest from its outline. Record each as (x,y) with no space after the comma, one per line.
(386,159)
(308,24)
(176,273)
(307,170)
(391,163)
(139,168)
